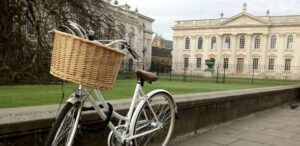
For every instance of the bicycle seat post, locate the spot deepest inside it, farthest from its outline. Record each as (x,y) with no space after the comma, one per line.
(141,81)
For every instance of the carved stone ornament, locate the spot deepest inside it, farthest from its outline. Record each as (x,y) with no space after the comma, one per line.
(186,55)
(212,55)
(288,56)
(241,55)
(256,55)
(272,55)
(199,55)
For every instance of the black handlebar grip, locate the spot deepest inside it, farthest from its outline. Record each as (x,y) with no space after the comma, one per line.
(91,35)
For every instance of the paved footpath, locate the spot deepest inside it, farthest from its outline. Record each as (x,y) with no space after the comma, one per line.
(275,127)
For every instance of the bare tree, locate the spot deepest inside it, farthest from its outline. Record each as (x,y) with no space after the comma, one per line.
(25,44)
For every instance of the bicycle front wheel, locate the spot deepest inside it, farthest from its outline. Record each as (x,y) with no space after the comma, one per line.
(63,132)
(162,106)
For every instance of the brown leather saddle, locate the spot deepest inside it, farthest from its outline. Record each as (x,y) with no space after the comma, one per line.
(147,76)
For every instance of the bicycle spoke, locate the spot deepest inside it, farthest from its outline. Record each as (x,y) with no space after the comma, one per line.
(64,132)
(162,109)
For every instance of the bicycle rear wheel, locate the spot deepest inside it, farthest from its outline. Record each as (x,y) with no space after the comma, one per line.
(164,108)
(61,132)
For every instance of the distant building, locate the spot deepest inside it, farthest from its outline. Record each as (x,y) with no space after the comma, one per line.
(161,54)
(138,32)
(267,46)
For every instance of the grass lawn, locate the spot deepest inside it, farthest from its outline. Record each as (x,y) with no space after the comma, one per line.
(29,95)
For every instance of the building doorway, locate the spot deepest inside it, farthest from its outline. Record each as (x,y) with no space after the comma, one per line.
(240,65)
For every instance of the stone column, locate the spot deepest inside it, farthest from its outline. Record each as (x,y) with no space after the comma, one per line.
(281,47)
(193,48)
(176,54)
(219,48)
(206,47)
(248,47)
(233,51)
(265,50)
(233,48)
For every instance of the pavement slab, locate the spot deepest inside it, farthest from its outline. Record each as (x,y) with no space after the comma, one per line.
(279,126)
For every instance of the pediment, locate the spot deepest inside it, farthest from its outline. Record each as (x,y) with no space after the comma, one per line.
(288,56)
(241,55)
(243,19)
(199,55)
(271,55)
(256,55)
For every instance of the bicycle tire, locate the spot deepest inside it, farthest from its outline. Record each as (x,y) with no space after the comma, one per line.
(158,137)
(60,122)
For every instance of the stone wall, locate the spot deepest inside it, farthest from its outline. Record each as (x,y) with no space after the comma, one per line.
(29,126)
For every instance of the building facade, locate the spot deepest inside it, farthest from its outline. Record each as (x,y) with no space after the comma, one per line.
(268,46)
(161,54)
(137,31)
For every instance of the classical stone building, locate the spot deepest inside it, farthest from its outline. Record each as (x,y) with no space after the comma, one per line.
(267,46)
(137,30)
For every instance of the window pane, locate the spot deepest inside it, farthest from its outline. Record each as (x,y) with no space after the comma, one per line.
(187,43)
(273,42)
(287,65)
(271,64)
(257,42)
(198,62)
(213,43)
(200,42)
(290,42)
(186,62)
(242,42)
(226,60)
(255,63)
(227,43)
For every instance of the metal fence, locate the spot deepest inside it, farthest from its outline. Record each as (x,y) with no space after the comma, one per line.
(228,73)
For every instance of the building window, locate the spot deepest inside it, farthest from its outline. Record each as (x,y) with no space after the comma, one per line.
(257,42)
(226,61)
(290,42)
(200,43)
(187,43)
(186,62)
(227,42)
(271,64)
(213,43)
(242,42)
(273,42)
(255,63)
(198,62)
(287,65)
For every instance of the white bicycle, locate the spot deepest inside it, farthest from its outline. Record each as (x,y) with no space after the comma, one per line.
(149,121)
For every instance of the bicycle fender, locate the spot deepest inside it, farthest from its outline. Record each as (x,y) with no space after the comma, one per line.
(74,100)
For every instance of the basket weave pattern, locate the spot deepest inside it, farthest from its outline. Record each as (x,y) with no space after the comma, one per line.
(84,62)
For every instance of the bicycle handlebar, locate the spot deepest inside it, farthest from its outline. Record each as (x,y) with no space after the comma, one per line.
(124,45)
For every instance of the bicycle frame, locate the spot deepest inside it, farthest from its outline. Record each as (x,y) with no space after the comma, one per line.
(139,98)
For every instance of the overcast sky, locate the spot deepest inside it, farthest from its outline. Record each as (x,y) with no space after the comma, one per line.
(165,12)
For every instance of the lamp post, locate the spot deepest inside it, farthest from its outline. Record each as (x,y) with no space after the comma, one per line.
(170,66)
(144,51)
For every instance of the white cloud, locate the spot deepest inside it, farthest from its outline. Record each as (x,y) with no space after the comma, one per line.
(165,12)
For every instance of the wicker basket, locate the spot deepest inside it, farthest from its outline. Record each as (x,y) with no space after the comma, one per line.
(84,62)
